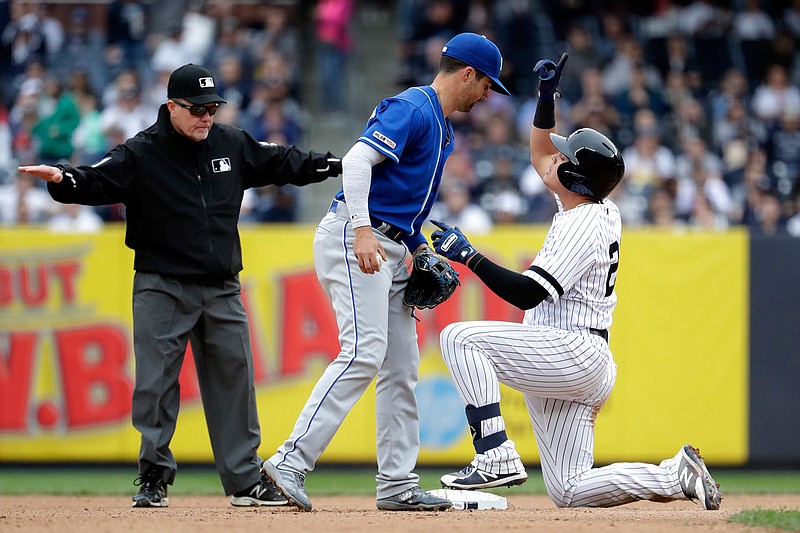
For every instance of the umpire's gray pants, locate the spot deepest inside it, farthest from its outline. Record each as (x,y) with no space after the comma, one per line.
(166,314)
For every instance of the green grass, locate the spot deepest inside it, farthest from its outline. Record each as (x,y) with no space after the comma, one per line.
(326,480)
(785,519)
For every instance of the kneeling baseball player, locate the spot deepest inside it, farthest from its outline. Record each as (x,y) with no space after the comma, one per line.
(558,357)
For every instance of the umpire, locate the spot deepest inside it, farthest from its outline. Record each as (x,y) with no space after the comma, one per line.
(182,181)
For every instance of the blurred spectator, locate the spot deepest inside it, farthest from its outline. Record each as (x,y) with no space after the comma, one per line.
(754,30)
(232,82)
(708,184)
(703,216)
(735,128)
(618,73)
(775,95)
(500,195)
(688,121)
(334,44)
(24,202)
(277,120)
(613,36)
(732,88)
(428,19)
(661,208)
(678,58)
(23,116)
(746,193)
(88,139)
(127,30)
(594,109)
(54,130)
(784,151)
(707,26)
(279,34)
(126,115)
(637,96)
(75,218)
(648,163)
(172,51)
(455,207)
(24,37)
(79,59)
(768,220)
(583,55)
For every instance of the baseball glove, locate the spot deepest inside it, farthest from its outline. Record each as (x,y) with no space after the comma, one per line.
(432,281)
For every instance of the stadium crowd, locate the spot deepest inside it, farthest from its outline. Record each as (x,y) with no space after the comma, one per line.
(702,96)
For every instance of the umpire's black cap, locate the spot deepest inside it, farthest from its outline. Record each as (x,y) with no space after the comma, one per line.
(193,83)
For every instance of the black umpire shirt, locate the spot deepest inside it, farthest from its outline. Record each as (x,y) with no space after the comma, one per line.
(183,197)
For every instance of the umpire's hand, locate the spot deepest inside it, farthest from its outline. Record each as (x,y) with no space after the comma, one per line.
(44,172)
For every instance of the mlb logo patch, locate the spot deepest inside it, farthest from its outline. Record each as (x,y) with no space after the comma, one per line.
(384,139)
(206,82)
(221,165)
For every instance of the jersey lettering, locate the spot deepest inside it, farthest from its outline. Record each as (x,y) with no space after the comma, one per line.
(611,279)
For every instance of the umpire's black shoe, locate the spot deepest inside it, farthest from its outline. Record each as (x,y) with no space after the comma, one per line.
(262,493)
(152,490)
(471,477)
(414,499)
(696,483)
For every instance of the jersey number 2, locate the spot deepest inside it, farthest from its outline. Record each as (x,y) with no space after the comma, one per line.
(611,279)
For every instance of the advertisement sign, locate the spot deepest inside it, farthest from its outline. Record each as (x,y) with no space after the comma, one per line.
(66,356)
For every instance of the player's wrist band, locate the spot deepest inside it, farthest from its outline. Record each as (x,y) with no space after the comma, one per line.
(545,116)
(474,260)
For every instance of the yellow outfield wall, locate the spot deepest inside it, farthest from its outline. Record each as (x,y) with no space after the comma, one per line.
(66,362)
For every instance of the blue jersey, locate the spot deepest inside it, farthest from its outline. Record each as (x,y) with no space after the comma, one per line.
(411,131)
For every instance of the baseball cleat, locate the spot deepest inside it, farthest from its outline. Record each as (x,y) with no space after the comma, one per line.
(414,499)
(696,482)
(262,493)
(472,477)
(291,484)
(152,490)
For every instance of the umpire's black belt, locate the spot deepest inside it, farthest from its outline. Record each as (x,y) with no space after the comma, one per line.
(602,333)
(392,232)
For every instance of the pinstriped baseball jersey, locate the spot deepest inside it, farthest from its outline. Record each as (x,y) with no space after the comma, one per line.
(577,266)
(564,371)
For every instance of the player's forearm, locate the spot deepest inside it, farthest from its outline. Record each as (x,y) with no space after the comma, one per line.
(515,288)
(544,123)
(356,179)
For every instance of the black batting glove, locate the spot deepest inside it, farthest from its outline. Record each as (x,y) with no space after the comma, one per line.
(549,77)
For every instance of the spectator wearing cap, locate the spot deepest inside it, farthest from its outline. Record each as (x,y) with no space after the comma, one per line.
(182,180)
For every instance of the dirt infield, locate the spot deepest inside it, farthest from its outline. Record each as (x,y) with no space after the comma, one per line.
(352,514)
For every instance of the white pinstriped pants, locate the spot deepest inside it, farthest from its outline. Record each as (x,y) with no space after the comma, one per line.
(565,377)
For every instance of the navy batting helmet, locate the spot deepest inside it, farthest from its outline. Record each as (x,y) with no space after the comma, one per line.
(595,165)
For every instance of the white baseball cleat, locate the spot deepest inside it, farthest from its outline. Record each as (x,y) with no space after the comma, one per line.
(471,477)
(696,482)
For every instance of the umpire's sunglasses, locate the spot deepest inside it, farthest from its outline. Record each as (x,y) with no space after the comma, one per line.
(199,110)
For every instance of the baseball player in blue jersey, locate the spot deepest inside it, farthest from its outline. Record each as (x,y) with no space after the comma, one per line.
(558,357)
(390,181)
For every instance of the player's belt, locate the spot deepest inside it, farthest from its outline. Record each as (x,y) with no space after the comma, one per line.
(392,232)
(602,333)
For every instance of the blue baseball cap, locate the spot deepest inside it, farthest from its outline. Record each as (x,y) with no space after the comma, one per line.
(480,53)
